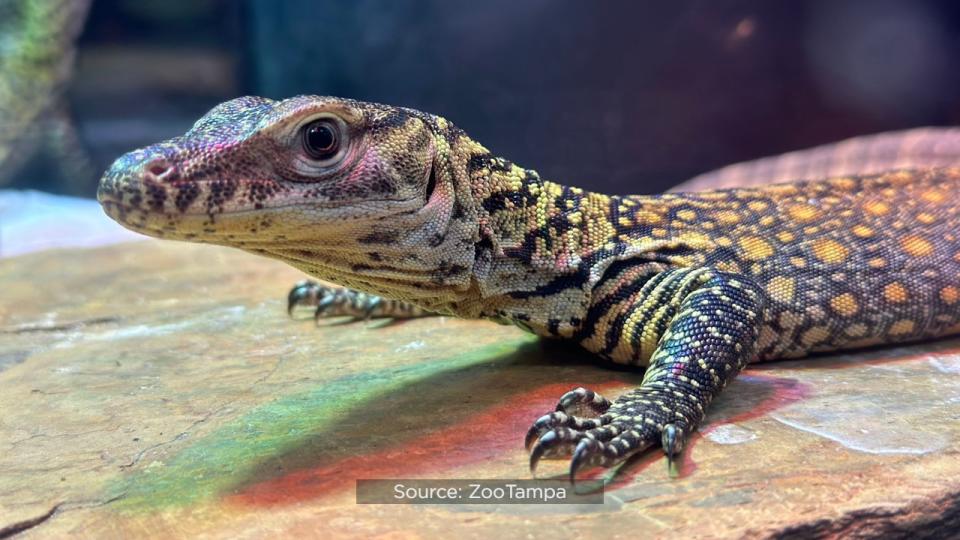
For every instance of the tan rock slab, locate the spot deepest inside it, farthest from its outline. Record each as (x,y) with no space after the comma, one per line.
(158,390)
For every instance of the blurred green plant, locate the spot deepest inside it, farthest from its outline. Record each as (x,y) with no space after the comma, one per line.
(37,50)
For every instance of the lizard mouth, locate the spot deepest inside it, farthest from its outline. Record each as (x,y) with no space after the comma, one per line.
(136,208)
(143,220)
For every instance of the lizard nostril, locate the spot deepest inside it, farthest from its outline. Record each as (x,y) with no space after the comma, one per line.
(161,169)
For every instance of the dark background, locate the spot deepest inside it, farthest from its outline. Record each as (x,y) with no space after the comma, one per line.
(623,97)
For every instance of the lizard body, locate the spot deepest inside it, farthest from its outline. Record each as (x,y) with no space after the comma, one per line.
(867,154)
(918,148)
(405,205)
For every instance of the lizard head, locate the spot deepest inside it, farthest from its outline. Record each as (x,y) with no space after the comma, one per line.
(361,194)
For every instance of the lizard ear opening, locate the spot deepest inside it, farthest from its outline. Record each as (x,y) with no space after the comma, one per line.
(431,184)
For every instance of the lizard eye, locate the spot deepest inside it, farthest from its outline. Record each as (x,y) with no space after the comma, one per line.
(322,139)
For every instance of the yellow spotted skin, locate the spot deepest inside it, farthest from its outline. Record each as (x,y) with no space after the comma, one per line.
(691,285)
(839,261)
(842,263)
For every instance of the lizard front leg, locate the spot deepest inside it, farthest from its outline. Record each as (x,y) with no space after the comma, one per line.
(343,302)
(704,324)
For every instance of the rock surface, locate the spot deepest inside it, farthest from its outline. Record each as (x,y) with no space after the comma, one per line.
(158,389)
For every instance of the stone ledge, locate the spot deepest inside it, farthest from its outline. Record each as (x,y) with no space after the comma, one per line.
(158,389)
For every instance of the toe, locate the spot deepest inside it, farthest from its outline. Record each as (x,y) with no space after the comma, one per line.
(556,442)
(542,425)
(672,440)
(583,401)
(559,419)
(305,293)
(590,453)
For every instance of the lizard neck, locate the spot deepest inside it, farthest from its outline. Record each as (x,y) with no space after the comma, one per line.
(541,244)
(546,225)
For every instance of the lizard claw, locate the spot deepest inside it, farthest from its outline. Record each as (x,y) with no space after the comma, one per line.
(634,423)
(590,452)
(541,426)
(559,419)
(305,293)
(672,440)
(537,451)
(556,442)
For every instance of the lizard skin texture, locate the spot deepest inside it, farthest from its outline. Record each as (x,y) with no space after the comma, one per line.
(404,205)
(867,154)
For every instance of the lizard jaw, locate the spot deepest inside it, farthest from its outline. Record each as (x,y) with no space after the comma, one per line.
(146,193)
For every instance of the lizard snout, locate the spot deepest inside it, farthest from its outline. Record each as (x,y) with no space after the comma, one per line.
(134,171)
(119,179)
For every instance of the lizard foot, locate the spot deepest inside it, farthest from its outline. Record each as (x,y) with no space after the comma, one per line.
(343,302)
(332,301)
(636,421)
(571,406)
